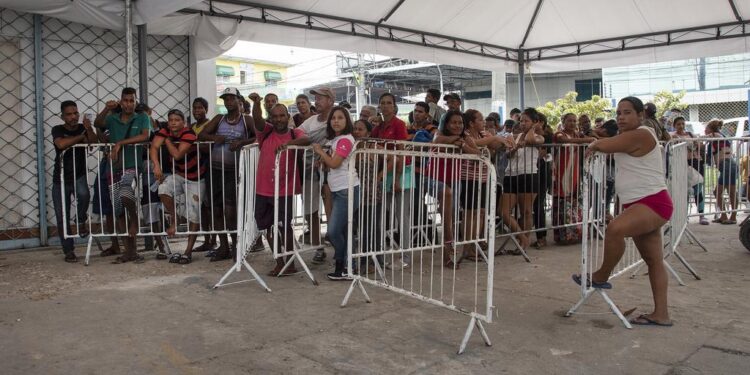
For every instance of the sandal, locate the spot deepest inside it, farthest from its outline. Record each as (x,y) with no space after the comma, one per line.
(124,259)
(161,256)
(514,252)
(185,259)
(591,283)
(221,255)
(109,252)
(175,258)
(204,247)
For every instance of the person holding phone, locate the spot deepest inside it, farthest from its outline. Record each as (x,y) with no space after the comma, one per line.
(69,174)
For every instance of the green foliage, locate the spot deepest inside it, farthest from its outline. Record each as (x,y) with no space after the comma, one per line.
(595,107)
(666,100)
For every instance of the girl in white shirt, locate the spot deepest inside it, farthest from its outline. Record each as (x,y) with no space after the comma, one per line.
(339,133)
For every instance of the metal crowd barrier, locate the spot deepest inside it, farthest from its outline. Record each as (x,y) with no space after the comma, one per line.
(195,200)
(247,229)
(542,193)
(305,217)
(399,235)
(592,247)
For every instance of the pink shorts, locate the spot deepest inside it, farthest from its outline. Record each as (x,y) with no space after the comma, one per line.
(661,203)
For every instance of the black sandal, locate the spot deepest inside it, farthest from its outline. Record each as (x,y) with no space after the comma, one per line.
(124,259)
(175,258)
(71,258)
(185,259)
(109,252)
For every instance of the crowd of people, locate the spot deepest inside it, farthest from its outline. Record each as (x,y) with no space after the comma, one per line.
(535,162)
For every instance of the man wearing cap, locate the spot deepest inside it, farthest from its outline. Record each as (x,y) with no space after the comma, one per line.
(454,103)
(315,130)
(432,98)
(229,133)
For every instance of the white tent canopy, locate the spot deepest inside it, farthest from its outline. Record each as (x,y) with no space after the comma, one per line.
(554,35)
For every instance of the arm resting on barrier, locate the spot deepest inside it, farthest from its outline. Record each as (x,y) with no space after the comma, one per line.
(209,131)
(635,143)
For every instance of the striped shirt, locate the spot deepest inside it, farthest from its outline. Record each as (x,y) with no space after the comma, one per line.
(188,166)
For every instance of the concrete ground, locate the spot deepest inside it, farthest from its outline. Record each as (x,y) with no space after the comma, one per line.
(161,318)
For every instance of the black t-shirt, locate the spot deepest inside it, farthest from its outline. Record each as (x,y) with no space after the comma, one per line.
(60,131)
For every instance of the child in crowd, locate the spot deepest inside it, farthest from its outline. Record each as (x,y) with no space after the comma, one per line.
(339,133)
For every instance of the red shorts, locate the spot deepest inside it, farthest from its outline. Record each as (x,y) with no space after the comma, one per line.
(661,203)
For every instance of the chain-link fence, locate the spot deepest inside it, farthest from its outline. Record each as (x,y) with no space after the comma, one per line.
(81,63)
(724,110)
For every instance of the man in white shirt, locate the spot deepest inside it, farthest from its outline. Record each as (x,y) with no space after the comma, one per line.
(315,129)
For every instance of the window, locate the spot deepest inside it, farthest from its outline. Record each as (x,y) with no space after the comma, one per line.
(586,88)
(242,77)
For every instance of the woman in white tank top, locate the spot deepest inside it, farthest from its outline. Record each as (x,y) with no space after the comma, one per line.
(641,187)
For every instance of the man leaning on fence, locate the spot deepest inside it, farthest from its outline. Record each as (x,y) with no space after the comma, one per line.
(127,130)
(69,174)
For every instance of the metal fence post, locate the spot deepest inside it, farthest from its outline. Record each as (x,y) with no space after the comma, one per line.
(142,64)
(39,114)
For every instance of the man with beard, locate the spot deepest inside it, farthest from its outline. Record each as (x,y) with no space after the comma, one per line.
(272,138)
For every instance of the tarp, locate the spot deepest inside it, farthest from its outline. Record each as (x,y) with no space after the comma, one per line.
(493,22)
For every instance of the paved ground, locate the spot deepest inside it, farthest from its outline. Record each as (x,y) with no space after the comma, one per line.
(165,319)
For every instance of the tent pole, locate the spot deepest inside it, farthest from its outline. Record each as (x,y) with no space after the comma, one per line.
(142,64)
(521,78)
(128,43)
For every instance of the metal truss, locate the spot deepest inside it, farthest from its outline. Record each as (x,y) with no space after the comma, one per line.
(730,30)
(253,12)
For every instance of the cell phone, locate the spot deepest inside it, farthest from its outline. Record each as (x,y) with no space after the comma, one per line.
(89,116)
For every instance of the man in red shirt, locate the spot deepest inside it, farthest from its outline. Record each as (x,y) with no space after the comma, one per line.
(271,139)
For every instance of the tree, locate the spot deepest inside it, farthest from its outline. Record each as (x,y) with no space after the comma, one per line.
(595,107)
(665,101)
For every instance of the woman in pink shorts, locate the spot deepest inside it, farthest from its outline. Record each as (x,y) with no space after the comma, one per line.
(647,206)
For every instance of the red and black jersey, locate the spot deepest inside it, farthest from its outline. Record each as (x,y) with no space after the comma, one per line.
(191,166)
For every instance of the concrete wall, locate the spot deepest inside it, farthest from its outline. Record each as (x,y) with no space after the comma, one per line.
(543,88)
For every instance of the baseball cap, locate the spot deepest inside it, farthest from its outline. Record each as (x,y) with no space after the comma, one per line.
(230,91)
(323,91)
(450,96)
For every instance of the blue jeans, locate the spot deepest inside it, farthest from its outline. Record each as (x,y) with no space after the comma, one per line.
(81,189)
(337,225)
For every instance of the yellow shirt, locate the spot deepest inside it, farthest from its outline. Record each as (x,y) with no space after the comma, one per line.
(197,128)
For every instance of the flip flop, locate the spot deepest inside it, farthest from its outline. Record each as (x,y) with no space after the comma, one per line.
(185,259)
(729,222)
(175,258)
(591,283)
(643,320)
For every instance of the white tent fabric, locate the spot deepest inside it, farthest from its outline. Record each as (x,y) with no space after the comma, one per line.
(496,22)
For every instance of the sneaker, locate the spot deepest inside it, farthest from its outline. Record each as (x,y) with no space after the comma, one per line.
(320,257)
(335,276)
